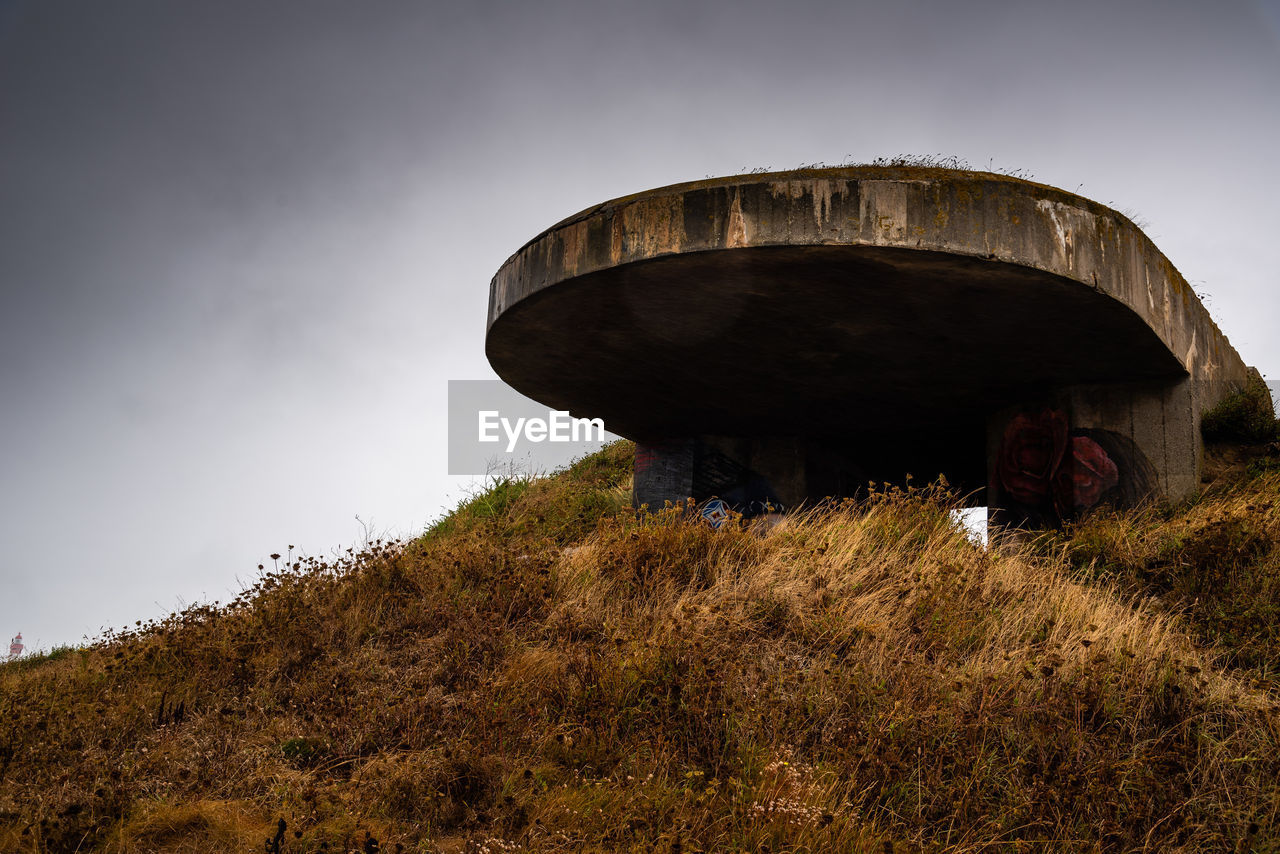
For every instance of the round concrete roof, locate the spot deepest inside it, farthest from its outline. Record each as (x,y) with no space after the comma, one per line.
(835,301)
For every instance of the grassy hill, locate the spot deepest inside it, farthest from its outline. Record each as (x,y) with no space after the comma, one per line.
(544,671)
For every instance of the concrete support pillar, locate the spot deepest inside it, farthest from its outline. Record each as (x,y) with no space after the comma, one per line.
(751,475)
(663,472)
(1119,444)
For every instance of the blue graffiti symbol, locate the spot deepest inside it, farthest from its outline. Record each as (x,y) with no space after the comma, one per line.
(715,512)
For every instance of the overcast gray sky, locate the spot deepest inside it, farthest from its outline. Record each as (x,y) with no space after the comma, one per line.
(245,245)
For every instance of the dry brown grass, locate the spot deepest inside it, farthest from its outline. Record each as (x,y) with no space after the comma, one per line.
(1215,563)
(861,678)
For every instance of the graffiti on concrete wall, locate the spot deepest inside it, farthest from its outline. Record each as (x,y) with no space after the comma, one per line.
(689,468)
(745,490)
(663,472)
(1050,472)
(716,512)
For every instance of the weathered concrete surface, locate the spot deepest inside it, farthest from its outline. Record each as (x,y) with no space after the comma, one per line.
(891,317)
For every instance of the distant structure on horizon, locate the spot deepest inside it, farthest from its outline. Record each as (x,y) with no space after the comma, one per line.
(16,647)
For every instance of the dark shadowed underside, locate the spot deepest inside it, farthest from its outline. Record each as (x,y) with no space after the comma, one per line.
(901,350)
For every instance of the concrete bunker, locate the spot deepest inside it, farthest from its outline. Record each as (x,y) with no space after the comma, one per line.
(786,337)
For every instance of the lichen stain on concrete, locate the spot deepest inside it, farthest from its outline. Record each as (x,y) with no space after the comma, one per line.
(617,238)
(822,193)
(788,189)
(1109,233)
(651,227)
(1189,360)
(1151,296)
(573,240)
(1063,232)
(968,194)
(791,191)
(941,216)
(736,232)
(883,207)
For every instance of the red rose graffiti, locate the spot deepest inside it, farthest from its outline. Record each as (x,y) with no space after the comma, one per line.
(1085,478)
(1030,454)
(645,457)
(1053,473)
